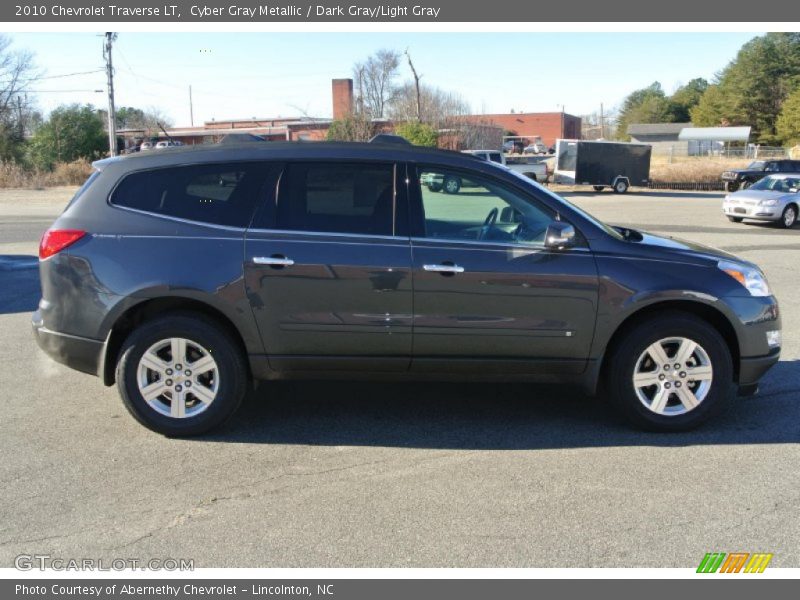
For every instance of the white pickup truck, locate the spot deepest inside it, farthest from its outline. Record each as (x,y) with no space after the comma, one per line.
(529,166)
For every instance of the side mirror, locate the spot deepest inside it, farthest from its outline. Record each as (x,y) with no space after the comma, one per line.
(559,235)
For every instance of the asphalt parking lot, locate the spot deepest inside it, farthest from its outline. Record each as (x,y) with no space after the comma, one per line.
(352,474)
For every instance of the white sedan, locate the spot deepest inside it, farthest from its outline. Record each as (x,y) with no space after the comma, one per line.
(773,198)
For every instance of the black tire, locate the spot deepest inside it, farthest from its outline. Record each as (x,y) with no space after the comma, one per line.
(623,360)
(789,216)
(620,186)
(731,186)
(598,188)
(233,374)
(735,219)
(435,187)
(451,185)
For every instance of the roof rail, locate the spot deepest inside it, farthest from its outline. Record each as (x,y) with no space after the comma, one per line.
(389,138)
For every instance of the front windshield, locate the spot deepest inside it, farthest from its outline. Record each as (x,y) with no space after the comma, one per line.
(560,199)
(757,165)
(777,184)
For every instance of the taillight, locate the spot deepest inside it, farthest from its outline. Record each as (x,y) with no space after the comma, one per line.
(55,240)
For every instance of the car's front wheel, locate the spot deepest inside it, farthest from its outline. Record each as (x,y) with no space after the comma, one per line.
(789,216)
(181,374)
(734,219)
(670,373)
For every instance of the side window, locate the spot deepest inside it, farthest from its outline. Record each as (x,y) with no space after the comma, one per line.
(357,198)
(771,167)
(463,207)
(222,194)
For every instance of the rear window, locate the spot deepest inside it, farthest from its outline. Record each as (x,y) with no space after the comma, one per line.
(222,194)
(353,198)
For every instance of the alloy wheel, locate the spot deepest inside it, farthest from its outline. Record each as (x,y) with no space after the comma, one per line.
(673,376)
(178,378)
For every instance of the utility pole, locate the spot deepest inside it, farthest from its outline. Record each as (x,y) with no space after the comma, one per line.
(112,113)
(191,107)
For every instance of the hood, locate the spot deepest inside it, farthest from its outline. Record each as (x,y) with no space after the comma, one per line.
(658,246)
(752,196)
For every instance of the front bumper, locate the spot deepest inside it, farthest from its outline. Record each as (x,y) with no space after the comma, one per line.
(754,368)
(751,211)
(79,353)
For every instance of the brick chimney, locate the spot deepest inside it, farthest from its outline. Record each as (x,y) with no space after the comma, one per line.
(342,98)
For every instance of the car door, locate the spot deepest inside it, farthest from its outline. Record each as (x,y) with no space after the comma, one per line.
(485,285)
(327,268)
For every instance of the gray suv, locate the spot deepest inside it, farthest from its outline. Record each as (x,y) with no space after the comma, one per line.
(187,274)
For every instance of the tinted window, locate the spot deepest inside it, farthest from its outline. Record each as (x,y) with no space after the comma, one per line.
(223,194)
(465,207)
(337,198)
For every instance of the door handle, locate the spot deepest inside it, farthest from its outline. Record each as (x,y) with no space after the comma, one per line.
(276,260)
(448,269)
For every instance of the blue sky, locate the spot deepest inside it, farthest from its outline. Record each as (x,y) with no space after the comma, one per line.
(241,75)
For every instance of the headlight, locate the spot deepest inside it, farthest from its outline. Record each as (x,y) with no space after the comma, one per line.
(772,202)
(752,279)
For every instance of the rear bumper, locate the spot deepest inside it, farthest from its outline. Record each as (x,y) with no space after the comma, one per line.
(82,354)
(752,369)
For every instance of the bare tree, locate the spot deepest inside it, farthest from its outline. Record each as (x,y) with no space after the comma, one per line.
(431,104)
(17,114)
(375,81)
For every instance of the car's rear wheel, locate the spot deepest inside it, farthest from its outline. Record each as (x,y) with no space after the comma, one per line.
(789,216)
(734,219)
(620,186)
(181,374)
(671,373)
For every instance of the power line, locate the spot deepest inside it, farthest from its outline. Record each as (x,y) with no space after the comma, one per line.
(59,91)
(30,79)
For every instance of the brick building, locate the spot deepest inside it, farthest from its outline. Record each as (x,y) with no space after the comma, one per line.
(548,126)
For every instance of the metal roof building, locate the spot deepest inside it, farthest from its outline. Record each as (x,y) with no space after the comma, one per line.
(715,134)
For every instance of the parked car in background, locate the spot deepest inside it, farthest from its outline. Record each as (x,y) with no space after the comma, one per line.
(537,147)
(513,146)
(774,198)
(532,168)
(146,146)
(168,144)
(184,276)
(734,179)
(490,155)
